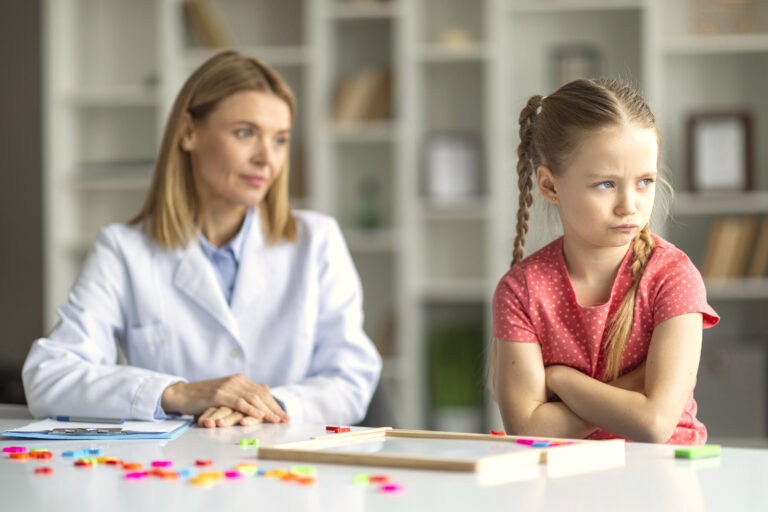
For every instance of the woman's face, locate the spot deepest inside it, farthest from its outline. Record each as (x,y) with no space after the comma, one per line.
(239,149)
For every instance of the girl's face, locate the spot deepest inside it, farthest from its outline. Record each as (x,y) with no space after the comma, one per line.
(605,193)
(239,149)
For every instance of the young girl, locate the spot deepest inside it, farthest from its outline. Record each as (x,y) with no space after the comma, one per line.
(598,334)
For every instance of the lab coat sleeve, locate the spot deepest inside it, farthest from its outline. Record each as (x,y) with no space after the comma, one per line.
(74,370)
(345,365)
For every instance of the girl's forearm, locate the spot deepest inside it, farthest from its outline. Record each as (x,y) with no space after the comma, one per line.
(626,413)
(550,419)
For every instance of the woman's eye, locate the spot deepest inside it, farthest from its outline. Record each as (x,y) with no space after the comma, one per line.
(280,141)
(244,133)
(605,185)
(647,182)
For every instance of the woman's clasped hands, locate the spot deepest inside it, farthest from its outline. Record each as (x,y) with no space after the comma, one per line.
(224,402)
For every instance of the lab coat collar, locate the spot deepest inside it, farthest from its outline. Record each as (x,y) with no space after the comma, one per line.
(195,277)
(253,267)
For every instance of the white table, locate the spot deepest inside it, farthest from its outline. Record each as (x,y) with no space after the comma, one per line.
(651,479)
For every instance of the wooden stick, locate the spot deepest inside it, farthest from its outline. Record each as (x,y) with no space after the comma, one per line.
(507,461)
(369,432)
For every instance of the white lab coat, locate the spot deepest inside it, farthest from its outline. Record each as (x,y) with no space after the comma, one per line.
(295,323)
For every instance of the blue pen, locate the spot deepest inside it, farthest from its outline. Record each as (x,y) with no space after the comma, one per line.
(83,419)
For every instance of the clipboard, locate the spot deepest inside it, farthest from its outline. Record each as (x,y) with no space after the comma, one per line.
(69,430)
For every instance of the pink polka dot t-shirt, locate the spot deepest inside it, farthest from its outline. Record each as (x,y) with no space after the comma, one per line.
(535,303)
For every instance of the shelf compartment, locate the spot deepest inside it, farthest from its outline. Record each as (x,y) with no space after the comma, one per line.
(682,22)
(452,21)
(114,43)
(616,35)
(360,46)
(470,209)
(559,6)
(137,183)
(346,11)
(112,96)
(98,208)
(287,55)
(259,23)
(457,290)
(379,289)
(459,53)
(715,44)
(455,346)
(460,86)
(712,83)
(454,251)
(365,185)
(117,134)
(369,241)
(737,289)
(690,204)
(364,131)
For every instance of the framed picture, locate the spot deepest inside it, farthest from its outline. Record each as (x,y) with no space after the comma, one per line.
(719,147)
(493,455)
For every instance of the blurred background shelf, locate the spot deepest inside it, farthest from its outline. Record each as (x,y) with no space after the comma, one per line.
(288,55)
(534,6)
(720,204)
(125,96)
(737,289)
(715,44)
(357,10)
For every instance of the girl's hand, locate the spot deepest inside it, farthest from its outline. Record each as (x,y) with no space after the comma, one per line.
(633,380)
(550,373)
(630,381)
(236,392)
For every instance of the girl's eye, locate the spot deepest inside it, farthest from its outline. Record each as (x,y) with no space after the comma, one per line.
(244,133)
(604,185)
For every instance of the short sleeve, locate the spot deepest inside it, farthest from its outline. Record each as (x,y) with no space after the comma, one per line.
(681,290)
(511,320)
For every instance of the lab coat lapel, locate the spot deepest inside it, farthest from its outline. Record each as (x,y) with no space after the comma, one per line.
(252,270)
(194,276)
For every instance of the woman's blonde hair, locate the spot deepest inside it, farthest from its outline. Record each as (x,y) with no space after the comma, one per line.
(551,129)
(171,207)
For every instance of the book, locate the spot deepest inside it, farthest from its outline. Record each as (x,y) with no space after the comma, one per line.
(720,259)
(712,252)
(759,260)
(363,96)
(381,96)
(728,260)
(742,248)
(205,23)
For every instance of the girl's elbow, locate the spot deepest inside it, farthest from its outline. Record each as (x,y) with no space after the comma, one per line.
(656,428)
(518,423)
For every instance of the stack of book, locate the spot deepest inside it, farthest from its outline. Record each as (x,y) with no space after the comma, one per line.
(737,247)
(364,96)
(206,24)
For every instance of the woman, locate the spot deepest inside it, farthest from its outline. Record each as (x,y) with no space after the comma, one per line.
(227,305)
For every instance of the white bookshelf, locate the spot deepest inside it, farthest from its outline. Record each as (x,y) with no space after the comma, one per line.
(113,67)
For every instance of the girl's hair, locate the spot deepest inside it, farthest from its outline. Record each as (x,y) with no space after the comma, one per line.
(171,207)
(551,129)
